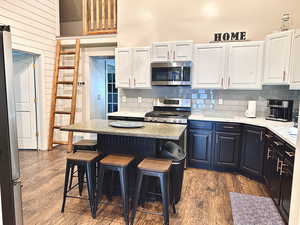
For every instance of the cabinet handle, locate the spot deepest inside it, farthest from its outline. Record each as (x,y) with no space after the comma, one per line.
(228,127)
(269,136)
(277,143)
(282,168)
(228,81)
(261,136)
(174,55)
(290,154)
(129,81)
(284,75)
(168,54)
(134,81)
(269,153)
(222,81)
(278,167)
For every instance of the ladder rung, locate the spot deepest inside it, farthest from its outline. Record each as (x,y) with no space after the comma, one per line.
(67,52)
(62,112)
(56,127)
(63,97)
(60,142)
(66,67)
(65,82)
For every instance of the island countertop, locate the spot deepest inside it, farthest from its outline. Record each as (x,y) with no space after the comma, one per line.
(150,130)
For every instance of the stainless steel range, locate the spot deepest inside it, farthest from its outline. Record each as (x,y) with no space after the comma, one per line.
(170,110)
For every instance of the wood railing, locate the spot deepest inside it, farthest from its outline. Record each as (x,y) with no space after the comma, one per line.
(99,16)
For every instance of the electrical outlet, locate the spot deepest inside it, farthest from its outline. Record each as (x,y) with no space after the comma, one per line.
(124,99)
(220,101)
(140,99)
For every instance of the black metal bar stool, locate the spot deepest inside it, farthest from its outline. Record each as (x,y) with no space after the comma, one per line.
(118,163)
(159,168)
(82,145)
(87,161)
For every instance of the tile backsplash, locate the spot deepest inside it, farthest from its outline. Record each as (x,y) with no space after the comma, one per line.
(234,102)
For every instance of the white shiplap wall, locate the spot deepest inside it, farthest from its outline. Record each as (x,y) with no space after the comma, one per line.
(34,29)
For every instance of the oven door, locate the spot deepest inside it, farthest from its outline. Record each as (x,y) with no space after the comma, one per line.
(171,73)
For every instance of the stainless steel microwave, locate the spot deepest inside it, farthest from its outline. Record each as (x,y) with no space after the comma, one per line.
(171,73)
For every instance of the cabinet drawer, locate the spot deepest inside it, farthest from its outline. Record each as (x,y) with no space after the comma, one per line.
(228,127)
(201,124)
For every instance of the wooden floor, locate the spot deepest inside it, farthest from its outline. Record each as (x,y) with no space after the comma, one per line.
(205,196)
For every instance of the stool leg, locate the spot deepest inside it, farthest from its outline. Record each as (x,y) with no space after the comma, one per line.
(71,180)
(99,185)
(112,181)
(124,188)
(67,176)
(164,184)
(81,172)
(172,193)
(90,179)
(137,195)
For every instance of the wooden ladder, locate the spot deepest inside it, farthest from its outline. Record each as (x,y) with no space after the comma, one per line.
(55,97)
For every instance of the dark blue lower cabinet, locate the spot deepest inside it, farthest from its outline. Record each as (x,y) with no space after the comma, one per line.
(200,148)
(226,151)
(286,189)
(252,153)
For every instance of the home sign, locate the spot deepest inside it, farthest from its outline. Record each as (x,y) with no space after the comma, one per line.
(230,36)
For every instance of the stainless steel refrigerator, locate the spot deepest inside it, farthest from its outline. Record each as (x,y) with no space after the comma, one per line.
(9,157)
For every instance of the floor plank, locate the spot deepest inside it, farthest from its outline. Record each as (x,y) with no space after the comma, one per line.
(205,196)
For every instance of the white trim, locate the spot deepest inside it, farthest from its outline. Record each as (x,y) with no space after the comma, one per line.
(40,95)
(92,40)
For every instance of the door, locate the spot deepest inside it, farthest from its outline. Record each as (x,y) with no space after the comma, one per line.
(141,68)
(123,67)
(200,148)
(295,65)
(227,150)
(209,66)
(245,65)
(268,158)
(161,52)
(24,88)
(277,57)
(182,51)
(252,151)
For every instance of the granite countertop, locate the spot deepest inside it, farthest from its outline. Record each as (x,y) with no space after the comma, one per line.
(279,128)
(128,114)
(150,130)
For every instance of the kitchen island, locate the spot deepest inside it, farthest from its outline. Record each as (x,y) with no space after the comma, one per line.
(147,141)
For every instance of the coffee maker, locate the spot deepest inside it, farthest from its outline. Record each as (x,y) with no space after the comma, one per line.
(280,110)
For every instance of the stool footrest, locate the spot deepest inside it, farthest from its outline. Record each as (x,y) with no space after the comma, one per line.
(150,212)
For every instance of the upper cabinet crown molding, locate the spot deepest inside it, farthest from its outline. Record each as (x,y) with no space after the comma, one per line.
(277,57)
(235,65)
(172,51)
(295,65)
(133,67)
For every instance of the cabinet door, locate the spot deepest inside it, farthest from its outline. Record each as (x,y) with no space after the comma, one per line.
(267,167)
(277,58)
(200,148)
(295,65)
(227,148)
(161,52)
(253,151)
(123,58)
(245,64)
(141,68)
(208,66)
(182,51)
(286,191)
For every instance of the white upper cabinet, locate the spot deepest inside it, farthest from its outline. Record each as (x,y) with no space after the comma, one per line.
(172,51)
(123,67)
(141,67)
(277,57)
(133,68)
(295,64)
(208,66)
(245,65)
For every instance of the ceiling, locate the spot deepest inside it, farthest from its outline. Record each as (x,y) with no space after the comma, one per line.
(70,10)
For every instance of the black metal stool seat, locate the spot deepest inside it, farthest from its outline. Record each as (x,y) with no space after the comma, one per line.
(118,163)
(159,168)
(87,161)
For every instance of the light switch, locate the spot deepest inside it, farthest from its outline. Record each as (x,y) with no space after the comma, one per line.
(140,99)
(220,101)
(124,99)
